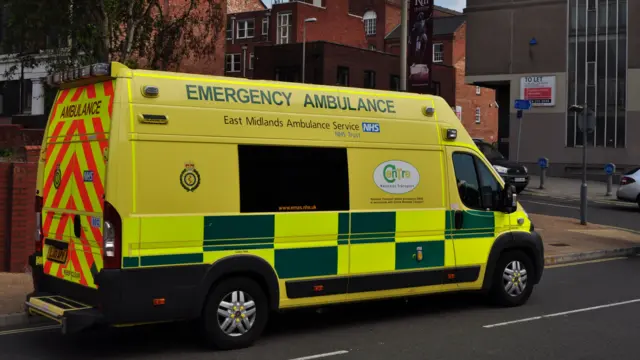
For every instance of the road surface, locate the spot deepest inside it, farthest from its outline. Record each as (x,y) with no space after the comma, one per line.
(624,216)
(587,311)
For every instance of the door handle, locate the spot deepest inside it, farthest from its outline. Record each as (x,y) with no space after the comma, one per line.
(76,225)
(458,218)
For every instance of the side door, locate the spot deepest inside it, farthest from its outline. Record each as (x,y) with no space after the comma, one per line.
(471,223)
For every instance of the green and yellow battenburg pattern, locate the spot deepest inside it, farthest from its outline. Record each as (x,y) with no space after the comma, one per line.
(314,244)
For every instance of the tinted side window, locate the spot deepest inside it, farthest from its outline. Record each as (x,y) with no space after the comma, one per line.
(471,175)
(467,180)
(287,178)
(486,177)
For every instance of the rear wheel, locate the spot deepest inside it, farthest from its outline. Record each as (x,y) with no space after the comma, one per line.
(235,314)
(511,285)
(638,200)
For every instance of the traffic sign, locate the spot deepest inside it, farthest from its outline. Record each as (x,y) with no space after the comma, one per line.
(609,168)
(519,114)
(543,163)
(521,104)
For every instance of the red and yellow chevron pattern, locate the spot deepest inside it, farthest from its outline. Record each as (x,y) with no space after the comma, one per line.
(75,163)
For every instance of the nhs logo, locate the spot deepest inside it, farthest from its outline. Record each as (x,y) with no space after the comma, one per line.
(371,127)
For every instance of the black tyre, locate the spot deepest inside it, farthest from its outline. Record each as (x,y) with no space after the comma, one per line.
(235,314)
(638,200)
(512,279)
(519,190)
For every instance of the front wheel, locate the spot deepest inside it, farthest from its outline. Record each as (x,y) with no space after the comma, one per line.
(511,286)
(235,314)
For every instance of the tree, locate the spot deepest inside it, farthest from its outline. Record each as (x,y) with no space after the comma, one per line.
(156,34)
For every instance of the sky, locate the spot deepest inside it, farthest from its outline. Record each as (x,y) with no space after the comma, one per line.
(451,4)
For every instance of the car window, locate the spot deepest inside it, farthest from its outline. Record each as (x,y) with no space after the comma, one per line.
(471,175)
(467,180)
(490,152)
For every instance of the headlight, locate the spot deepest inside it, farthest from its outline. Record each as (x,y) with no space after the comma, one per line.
(525,169)
(500,169)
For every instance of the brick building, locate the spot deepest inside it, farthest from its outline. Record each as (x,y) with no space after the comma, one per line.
(330,63)
(238,6)
(476,106)
(370,34)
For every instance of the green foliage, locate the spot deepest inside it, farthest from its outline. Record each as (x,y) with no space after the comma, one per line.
(155,34)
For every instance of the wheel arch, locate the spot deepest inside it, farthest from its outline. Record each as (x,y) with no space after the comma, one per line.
(251,266)
(528,242)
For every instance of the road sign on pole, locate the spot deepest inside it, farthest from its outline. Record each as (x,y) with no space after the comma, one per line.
(521,104)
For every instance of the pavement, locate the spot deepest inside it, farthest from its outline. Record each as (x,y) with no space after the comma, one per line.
(585,311)
(569,189)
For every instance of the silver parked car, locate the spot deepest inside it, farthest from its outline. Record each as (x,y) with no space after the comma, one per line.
(629,189)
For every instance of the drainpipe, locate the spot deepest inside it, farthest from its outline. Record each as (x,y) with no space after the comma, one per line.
(244,61)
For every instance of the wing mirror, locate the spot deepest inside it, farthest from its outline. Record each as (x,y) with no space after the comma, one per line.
(508,202)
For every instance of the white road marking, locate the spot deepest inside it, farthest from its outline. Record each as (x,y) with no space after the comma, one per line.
(320,356)
(549,204)
(26,330)
(561,313)
(584,262)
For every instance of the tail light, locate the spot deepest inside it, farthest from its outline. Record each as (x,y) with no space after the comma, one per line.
(39,235)
(112,238)
(626,180)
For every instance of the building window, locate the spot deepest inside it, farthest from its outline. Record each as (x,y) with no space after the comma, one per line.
(478,115)
(343,76)
(370,21)
(372,47)
(291,177)
(232,63)
(394,83)
(478,90)
(265,26)
(284,28)
(251,58)
(438,53)
(246,29)
(597,72)
(230,30)
(369,79)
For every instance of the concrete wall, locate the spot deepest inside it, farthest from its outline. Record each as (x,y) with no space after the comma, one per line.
(501,30)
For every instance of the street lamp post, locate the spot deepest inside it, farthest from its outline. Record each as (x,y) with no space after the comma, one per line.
(582,110)
(404,37)
(304,44)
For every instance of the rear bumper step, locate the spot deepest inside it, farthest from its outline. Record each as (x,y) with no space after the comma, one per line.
(72,315)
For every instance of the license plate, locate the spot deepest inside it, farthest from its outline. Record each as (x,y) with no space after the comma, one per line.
(521,179)
(57,255)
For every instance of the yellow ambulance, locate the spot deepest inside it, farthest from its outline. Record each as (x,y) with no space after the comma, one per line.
(166,196)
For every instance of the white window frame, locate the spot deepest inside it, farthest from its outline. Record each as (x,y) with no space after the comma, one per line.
(478,90)
(243,25)
(251,59)
(283,33)
(478,115)
(265,26)
(229,30)
(231,59)
(438,56)
(370,20)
